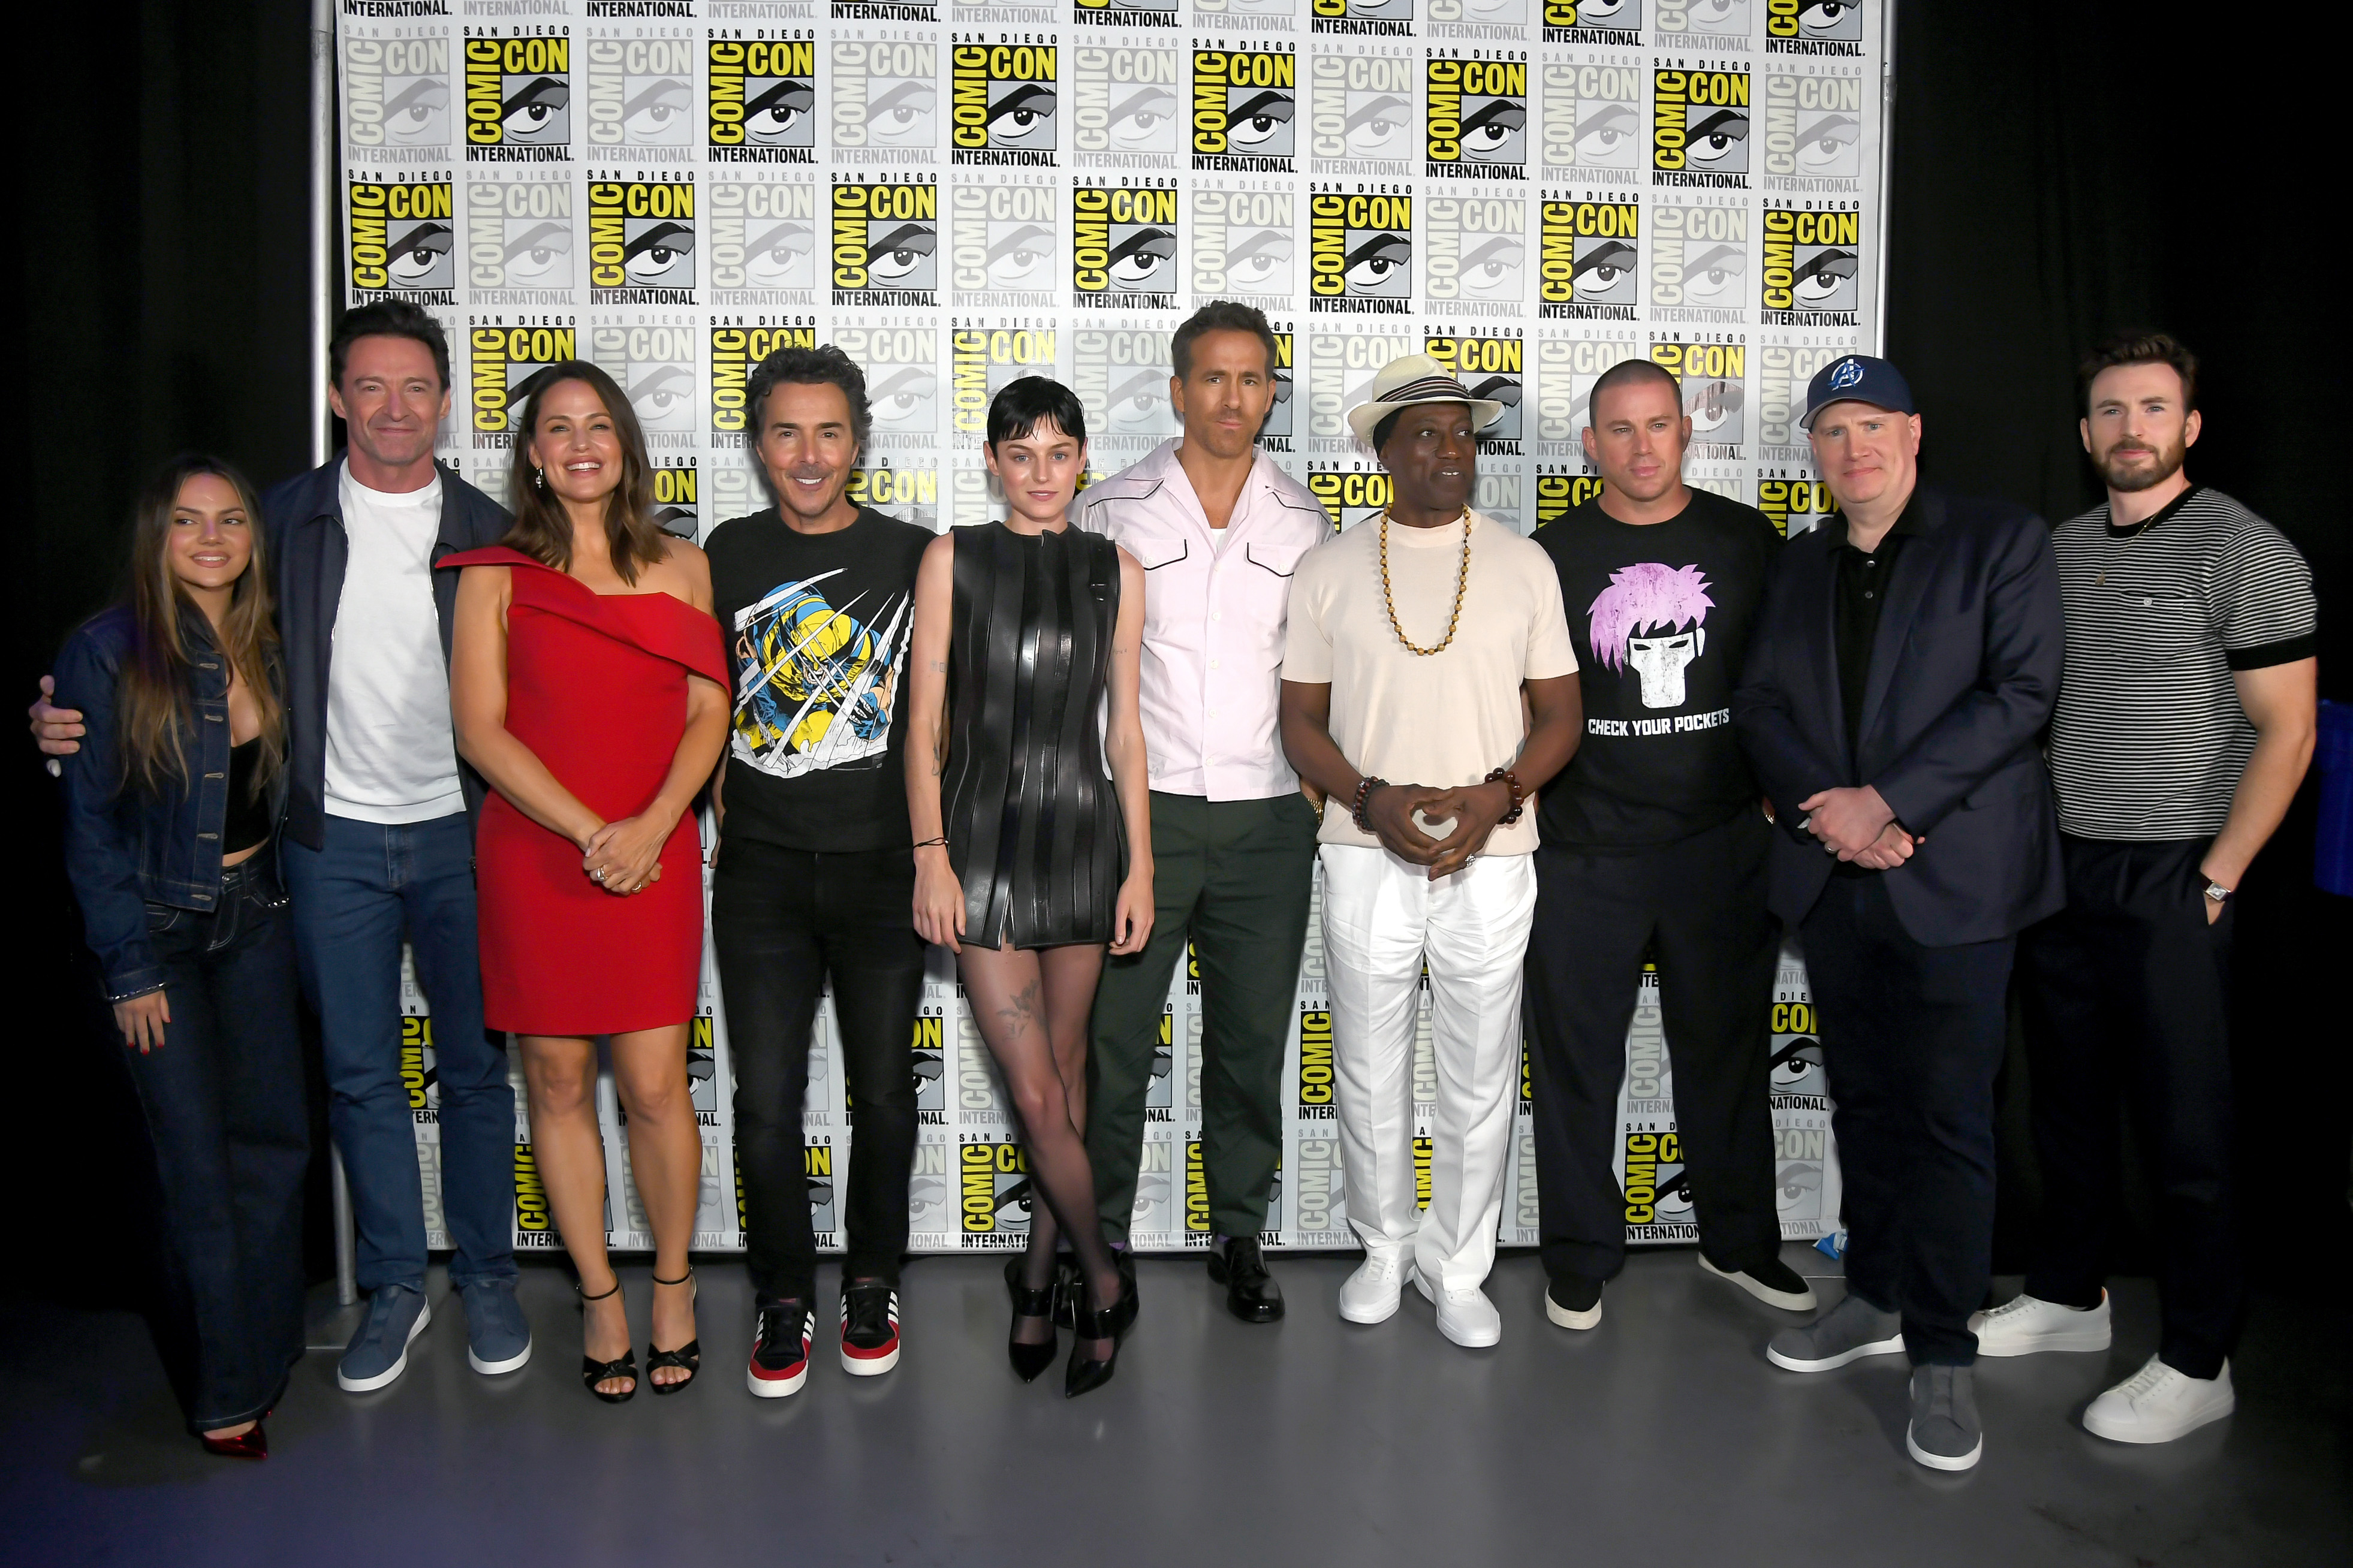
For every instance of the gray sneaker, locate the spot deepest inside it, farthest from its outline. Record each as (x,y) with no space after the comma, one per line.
(1944,1434)
(497,1338)
(1848,1331)
(379,1351)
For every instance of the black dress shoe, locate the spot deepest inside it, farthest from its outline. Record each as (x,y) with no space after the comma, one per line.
(1252,1293)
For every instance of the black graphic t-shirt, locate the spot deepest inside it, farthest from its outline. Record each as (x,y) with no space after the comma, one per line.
(817,626)
(1660,614)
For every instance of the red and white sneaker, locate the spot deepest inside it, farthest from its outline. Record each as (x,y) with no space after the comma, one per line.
(780,1348)
(870,1327)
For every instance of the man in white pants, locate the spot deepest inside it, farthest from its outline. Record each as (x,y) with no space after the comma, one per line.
(1413,641)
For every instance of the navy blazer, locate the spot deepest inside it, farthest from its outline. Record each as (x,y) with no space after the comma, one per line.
(1963,675)
(305,519)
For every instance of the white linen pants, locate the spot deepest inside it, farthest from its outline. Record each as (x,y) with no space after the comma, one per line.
(1383,919)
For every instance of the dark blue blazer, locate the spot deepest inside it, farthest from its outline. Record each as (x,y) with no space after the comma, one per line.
(1963,675)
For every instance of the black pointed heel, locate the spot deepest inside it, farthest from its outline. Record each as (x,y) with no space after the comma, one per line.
(1030,1360)
(1069,1285)
(688,1356)
(1084,1375)
(594,1371)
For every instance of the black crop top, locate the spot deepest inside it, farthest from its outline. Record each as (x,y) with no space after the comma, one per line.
(248,813)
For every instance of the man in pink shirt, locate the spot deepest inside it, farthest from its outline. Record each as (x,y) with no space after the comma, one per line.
(1217,528)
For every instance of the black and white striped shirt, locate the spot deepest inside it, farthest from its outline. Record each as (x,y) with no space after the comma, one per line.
(2148,740)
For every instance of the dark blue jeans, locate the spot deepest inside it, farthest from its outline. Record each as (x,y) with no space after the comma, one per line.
(354,901)
(223,1101)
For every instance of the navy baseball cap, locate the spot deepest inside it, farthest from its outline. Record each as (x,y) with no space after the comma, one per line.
(1857,378)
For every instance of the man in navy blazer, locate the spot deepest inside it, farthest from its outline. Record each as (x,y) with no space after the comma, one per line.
(1904,666)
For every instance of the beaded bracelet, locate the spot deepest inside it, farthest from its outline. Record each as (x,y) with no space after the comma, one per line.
(1507,776)
(1364,788)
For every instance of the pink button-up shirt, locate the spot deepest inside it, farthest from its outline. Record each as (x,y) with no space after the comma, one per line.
(1215,606)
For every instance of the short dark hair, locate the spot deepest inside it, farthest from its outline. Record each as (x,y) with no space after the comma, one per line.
(823,366)
(1387,428)
(2139,348)
(386,319)
(1022,405)
(1218,316)
(1627,371)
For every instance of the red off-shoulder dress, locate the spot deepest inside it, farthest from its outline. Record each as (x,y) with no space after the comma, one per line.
(596,689)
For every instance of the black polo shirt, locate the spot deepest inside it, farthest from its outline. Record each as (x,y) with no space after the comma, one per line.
(1860,593)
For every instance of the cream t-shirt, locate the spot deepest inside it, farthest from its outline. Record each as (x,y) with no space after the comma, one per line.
(1439,719)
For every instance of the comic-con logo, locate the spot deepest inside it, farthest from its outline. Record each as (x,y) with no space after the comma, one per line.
(505,364)
(1393,17)
(1795,506)
(1317,1081)
(886,241)
(734,350)
(1124,13)
(519,99)
(885,100)
(1558,493)
(1591,255)
(1004,239)
(1810,267)
(519,241)
(678,509)
(401,242)
(762,239)
(1360,252)
(1474,118)
(1492,368)
(420,1069)
(1813,28)
(1244,245)
(655,368)
(1782,373)
(1699,260)
(1350,494)
(1594,22)
(929,1057)
(1245,108)
(902,380)
(883,11)
(993,1179)
(395,95)
(1565,372)
(1475,251)
(1713,377)
(982,359)
(1280,416)
(1127,104)
(1341,366)
(1362,120)
(1813,131)
(762,101)
(535,1220)
(1002,103)
(1699,128)
(1592,118)
(641,242)
(1122,379)
(1124,247)
(1317,1185)
(1658,1192)
(640,94)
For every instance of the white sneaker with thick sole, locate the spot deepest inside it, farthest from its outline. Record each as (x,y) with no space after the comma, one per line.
(2024,1325)
(1464,1316)
(2157,1404)
(1370,1295)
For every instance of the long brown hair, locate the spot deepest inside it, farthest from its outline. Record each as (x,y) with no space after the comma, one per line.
(156,685)
(543,530)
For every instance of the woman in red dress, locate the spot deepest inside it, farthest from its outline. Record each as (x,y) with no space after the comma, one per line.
(587,679)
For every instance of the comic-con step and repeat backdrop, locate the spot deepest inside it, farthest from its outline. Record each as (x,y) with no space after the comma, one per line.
(959,195)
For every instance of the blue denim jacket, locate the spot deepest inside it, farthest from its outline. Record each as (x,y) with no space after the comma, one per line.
(129,848)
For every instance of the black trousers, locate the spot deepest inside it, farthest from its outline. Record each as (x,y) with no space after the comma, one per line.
(1703,901)
(2126,994)
(223,1102)
(1912,1037)
(782,920)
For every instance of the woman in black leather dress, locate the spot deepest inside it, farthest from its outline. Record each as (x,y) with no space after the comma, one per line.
(1029,860)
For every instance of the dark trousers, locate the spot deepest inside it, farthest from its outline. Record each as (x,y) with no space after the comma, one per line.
(1912,1037)
(782,920)
(223,1101)
(1702,900)
(1235,878)
(2126,994)
(356,897)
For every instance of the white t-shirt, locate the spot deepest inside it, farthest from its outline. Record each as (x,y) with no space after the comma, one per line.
(392,755)
(1438,719)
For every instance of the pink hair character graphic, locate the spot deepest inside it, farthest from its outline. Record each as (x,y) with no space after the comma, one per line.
(1669,604)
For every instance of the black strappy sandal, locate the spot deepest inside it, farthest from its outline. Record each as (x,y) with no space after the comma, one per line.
(594,1371)
(688,1356)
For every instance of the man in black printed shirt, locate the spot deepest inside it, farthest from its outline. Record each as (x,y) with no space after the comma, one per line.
(1654,838)
(2184,724)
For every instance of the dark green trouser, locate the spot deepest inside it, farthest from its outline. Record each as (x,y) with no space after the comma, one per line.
(1235,876)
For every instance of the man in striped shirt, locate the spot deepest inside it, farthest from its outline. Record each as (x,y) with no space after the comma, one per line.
(2184,724)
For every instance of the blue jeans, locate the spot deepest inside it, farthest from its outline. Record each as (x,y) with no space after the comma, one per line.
(353,900)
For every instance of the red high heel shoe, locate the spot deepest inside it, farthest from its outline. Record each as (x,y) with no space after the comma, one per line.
(253,1443)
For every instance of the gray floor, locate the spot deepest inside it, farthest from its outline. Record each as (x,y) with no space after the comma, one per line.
(1661,1437)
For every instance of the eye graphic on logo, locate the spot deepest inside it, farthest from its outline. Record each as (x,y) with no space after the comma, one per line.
(1606,133)
(1258,118)
(894,256)
(1255,257)
(1795,1063)
(660,251)
(1821,18)
(1018,260)
(1798,1184)
(539,255)
(1144,121)
(1714,273)
(1377,265)
(1715,138)
(1139,403)
(1379,127)
(659,112)
(1675,1200)
(417,253)
(664,397)
(1719,15)
(1140,260)
(1022,114)
(1492,136)
(1495,11)
(902,116)
(535,113)
(779,116)
(1492,270)
(416,112)
(1380,10)
(905,396)
(777,254)
(1712,405)
(1849,372)
(1825,144)
(1604,270)
(1823,275)
(1599,10)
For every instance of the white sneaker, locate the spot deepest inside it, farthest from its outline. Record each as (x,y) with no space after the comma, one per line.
(1371,1294)
(1464,1316)
(2024,1325)
(2157,1404)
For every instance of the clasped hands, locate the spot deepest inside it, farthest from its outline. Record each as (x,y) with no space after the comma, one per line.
(1473,809)
(624,856)
(1855,824)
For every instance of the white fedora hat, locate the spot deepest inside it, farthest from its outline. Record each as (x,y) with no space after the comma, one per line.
(1417,378)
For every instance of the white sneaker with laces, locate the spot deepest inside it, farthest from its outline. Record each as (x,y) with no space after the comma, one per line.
(2157,1404)
(1371,1294)
(1464,1316)
(2025,1325)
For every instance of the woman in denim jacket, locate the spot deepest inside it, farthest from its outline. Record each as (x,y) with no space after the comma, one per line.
(171,806)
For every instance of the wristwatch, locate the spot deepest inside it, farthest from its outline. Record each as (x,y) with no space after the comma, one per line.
(2219,893)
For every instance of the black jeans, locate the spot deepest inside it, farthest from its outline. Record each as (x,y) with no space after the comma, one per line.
(223,1101)
(782,920)
(2127,998)
(1912,1037)
(1703,901)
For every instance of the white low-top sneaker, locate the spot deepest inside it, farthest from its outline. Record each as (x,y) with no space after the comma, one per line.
(1371,1294)
(2024,1325)
(2157,1404)
(1464,1316)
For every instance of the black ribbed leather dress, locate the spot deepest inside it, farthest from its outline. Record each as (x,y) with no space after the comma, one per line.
(1032,820)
